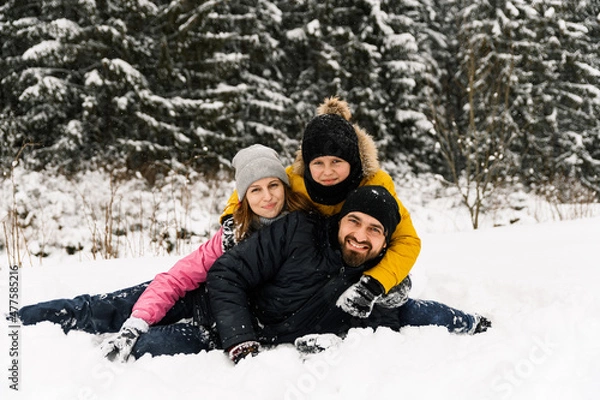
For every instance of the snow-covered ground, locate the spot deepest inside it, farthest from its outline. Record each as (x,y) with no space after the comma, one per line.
(537,282)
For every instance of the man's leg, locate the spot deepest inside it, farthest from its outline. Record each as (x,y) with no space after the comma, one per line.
(94,314)
(427,312)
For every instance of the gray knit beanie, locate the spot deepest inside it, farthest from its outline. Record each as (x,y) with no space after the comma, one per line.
(256,162)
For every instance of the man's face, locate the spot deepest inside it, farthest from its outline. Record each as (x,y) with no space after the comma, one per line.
(361,238)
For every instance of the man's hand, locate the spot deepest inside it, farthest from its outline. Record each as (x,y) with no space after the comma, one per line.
(242,350)
(397,296)
(119,346)
(317,342)
(358,299)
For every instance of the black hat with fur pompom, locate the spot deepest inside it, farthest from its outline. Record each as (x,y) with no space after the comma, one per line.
(331,135)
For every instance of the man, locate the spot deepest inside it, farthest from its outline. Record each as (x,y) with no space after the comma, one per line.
(292,279)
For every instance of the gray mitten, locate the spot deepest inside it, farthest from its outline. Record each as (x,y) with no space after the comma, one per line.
(397,296)
(358,300)
(118,347)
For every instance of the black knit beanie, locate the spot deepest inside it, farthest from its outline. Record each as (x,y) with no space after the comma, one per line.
(377,202)
(331,135)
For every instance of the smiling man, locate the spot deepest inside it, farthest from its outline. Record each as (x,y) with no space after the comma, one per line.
(362,237)
(292,279)
(366,223)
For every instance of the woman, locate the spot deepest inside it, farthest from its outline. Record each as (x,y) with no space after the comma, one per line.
(335,158)
(151,312)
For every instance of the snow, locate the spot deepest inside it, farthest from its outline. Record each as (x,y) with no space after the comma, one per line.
(42,49)
(93,78)
(64,28)
(314,28)
(537,282)
(119,66)
(404,41)
(296,34)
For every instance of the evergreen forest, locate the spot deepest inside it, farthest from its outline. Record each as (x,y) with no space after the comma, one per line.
(483,92)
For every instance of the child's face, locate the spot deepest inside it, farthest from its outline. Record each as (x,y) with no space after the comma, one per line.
(329,170)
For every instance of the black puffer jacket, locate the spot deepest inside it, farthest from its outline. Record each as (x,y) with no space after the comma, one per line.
(282,283)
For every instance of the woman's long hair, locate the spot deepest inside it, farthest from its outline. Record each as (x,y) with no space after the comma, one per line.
(243,216)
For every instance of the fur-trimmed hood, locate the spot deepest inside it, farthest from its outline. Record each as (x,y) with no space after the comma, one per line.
(366,145)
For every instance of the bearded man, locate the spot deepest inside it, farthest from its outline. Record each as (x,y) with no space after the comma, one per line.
(296,277)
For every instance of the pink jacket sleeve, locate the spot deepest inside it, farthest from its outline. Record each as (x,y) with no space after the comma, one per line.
(184,276)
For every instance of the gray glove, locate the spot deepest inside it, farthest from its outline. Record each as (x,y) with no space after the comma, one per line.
(397,296)
(118,347)
(358,299)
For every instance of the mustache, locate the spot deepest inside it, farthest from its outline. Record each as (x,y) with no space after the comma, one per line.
(363,243)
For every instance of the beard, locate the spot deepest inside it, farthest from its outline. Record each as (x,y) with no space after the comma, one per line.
(353,258)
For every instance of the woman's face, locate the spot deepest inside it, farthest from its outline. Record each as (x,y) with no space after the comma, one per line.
(329,170)
(266,197)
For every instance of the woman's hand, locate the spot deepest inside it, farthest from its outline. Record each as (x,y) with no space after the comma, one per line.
(119,346)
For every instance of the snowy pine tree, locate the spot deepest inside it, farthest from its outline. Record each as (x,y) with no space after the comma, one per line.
(482,90)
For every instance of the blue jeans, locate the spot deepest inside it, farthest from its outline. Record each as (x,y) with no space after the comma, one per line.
(105,313)
(421,313)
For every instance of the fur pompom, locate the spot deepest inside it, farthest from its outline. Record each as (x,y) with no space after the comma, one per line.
(334,105)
